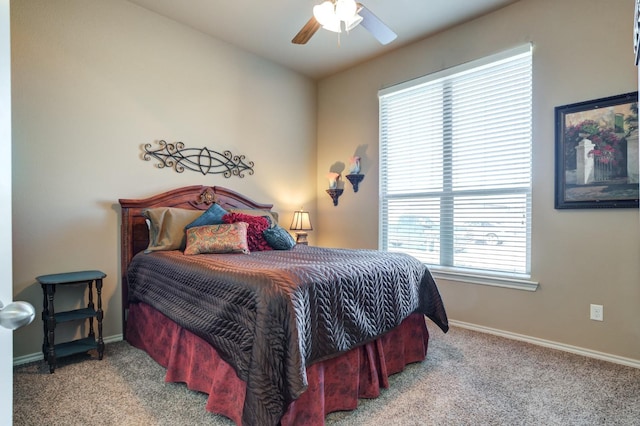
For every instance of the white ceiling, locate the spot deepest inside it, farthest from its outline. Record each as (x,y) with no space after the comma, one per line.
(267,27)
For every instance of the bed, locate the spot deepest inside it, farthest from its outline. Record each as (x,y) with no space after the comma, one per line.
(272,336)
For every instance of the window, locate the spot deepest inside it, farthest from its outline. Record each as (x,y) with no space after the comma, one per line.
(455,164)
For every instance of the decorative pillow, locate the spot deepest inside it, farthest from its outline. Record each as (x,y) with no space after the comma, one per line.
(278,238)
(272,217)
(212,216)
(166,227)
(224,238)
(257,224)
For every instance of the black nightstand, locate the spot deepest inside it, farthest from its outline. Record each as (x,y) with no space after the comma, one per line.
(50,318)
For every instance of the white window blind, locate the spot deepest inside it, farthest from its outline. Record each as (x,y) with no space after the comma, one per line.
(455,164)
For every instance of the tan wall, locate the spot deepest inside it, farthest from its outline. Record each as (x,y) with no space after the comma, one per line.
(582,50)
(94,80)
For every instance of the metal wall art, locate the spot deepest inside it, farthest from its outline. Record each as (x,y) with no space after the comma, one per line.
(203,160)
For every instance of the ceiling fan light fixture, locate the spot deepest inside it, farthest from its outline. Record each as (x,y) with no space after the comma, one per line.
(345,10)
(330,14)
(333,26)
(324,13)
(353,22)
(326,16)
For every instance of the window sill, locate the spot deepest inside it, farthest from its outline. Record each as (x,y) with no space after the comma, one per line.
(505,281)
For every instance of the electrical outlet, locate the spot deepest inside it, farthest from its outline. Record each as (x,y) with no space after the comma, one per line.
(597,313)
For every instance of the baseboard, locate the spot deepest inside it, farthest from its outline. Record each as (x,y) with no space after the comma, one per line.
(549,344)
(509,335)
(25,359)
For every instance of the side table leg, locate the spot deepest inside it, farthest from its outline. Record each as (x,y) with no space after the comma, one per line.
(99,317)
(51,327)
(91,306)
(45,316)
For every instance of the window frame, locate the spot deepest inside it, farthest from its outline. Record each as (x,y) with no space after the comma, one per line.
(511,280)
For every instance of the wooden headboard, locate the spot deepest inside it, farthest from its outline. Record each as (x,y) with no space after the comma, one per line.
(134,231)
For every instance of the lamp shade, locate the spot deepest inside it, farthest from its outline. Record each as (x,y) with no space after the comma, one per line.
(324,13)
(353,22)
(301,221)
(345,9)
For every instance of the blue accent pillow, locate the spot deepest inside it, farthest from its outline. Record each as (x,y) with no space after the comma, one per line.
(212,216)
(278,238)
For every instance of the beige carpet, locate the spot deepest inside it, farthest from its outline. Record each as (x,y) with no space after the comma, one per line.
(469,378)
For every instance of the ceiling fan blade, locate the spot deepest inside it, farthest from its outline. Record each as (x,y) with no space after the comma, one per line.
(305,34)
(375,26)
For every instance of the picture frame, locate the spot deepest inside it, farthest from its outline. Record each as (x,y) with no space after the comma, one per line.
(597,153)
(636,32)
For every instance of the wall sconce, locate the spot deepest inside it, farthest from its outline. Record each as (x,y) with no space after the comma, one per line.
(333,191)
(354,175)
(300,224)
(355,179)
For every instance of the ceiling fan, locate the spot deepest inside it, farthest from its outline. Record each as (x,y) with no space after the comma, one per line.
(332,15)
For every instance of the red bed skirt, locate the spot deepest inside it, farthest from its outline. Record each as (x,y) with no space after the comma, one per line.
(334,384)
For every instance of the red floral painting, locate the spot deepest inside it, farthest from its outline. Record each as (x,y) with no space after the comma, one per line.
(597,153)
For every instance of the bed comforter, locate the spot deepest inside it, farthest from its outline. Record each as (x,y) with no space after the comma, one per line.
(272,313)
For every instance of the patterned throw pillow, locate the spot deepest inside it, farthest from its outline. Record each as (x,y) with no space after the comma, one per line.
(224,238)
(257,225)
(212,216)
(278,238)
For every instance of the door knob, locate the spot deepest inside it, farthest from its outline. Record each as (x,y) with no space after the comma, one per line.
(16,314)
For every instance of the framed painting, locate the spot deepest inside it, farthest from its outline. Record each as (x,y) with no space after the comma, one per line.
(597,153)
(636,32)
